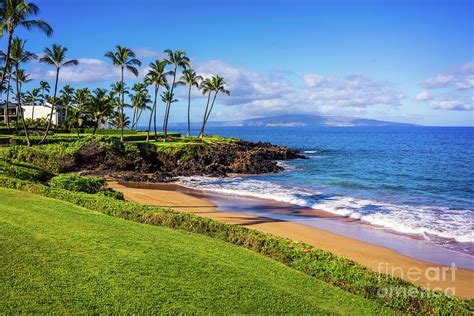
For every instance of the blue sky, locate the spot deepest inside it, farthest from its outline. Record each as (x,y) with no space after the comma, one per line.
(407,61)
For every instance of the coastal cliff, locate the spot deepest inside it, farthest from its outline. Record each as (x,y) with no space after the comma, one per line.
(157,162)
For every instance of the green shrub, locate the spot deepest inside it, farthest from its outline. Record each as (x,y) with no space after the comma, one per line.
(24,171)
(72,182)
(320,264)
(108,192)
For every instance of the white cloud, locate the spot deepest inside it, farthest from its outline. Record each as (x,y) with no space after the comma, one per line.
(454,105)
(258,94)
(144,53)
(438,81)
(456,86)
(423,96)
(89,70)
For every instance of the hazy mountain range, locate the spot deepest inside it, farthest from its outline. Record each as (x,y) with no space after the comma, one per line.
(306,120)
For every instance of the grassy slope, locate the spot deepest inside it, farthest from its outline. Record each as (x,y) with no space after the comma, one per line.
(63,258)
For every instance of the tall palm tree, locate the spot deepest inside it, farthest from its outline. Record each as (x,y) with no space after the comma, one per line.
(55,56)
(32,97)
(20,55)
(66,96)
(206,88)
(80,99)
(14,13)
(101,107)
(45,87)
(178,59)
(217,84)
(156,76)
(124,57)
(6,86)
(190,79)
(168,97)
(140,98)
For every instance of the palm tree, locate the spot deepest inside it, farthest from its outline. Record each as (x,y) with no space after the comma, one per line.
(178,59)
(101,107)
(168,97)
(31,97)
(8,86)
(80,99)
(55,56)
(44,86)
(124,57)
(117,120)
(66,96)
(206,88)
(217,84)
(156,76)
(14,13)
(190,79)
(139,100)
(19,55)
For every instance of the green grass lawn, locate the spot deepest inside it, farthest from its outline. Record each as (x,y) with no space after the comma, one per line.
(57,257)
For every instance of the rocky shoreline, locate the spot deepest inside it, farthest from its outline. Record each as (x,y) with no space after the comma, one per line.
(219,160)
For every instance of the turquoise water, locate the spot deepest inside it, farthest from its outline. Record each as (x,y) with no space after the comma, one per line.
(416,181)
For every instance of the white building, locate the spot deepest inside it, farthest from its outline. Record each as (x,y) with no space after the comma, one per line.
(38,110)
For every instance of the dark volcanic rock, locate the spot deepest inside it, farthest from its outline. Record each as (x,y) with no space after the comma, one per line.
(221,159)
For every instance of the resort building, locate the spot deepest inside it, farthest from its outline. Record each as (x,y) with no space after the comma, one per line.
(30,111)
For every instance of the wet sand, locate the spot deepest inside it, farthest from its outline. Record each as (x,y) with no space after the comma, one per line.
(434,276)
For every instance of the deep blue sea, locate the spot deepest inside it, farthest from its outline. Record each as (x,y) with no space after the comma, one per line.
(411,180)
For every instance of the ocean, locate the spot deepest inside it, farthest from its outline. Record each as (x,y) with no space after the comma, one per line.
(415,181)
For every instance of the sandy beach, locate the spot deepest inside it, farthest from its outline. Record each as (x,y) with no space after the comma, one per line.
(428,275)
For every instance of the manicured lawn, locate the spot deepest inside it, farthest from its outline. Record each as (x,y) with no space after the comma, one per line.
(57,257)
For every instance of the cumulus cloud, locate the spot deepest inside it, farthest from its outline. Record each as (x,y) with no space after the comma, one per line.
(450,90)
(144,53)
(263,94)
(423,96)
(455,105)
(89,70)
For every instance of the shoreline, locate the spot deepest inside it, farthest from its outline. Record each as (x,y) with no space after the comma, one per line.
(377,258)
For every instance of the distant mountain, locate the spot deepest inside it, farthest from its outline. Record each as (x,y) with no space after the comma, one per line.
(306,120)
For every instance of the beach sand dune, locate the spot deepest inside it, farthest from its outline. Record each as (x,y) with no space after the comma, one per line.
(377,258)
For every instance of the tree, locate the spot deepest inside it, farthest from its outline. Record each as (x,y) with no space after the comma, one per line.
(66,98)
(14,13)
(32,97)
(20,55)
(7,86)
(45,87)
(156,76)
(124,58)
(117,120)
(140,99)
(168,97)
(101,107)
(216,84)
(55,56)
(190,79)
(178,59)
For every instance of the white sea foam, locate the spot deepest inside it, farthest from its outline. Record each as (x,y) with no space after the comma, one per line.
(311,151)
(426,221)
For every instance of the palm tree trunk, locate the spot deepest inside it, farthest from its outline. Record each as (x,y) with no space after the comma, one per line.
(8,100)
(212,106)
(154,120)
(139,115)
(7,59)
(165,127)
(134,116)
(151,115)
(96,126)
(201,132)
(189,110)
(121,109)
(65,117)
(52,107)
(19,109)
(33,110)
